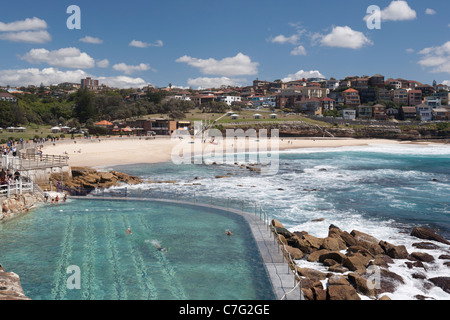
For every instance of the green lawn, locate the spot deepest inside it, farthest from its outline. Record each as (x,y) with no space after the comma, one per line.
(31,131)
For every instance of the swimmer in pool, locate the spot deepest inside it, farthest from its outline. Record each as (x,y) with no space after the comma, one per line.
(129,231)
(228,233)
(158,247)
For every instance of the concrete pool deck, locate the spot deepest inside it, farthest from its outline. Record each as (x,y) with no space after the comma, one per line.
(284,284)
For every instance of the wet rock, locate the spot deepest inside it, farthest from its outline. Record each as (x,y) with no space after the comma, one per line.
(389,281)
(426,245)
(361,284)
(442,282)
(393,251)
(311,274)
(428,234)
(422,256)
(340,289)
(335,255)
(444,257)
(367,241)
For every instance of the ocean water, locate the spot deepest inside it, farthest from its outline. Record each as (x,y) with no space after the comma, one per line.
(383,190)
(201,262)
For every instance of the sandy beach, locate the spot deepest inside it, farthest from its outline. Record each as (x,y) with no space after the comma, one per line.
(100,153)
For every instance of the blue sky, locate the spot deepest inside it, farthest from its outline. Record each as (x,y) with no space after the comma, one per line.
(199,43)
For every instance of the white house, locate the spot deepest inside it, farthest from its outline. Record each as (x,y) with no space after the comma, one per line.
(424,112)
(349,114)
(229,99)
(433,102)
(7,97)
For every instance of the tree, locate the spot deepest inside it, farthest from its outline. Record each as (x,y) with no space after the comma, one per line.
(84,106)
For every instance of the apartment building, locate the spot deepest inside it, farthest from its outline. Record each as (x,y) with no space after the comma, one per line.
(351,97)
(400,96)
(414,97)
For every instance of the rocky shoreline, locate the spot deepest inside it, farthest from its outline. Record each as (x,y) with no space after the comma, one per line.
(10,287)
(358,263)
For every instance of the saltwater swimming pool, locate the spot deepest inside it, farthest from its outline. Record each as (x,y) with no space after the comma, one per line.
(202,263)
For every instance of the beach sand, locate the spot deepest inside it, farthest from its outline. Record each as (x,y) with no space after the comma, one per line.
(104,152)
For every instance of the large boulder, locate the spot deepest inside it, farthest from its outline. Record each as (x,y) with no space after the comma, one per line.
(422,256)
(362,285)
(340,289)
(311,274)
(393,251)
(295,253)
(428,234)
(388,281)
(442,282)
(367,241)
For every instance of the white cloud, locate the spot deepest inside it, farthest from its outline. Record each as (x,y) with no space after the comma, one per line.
(398,10)
(123,82)
(410,50)
(128,69)
(48,76)
(437,58)
(446,82)
(103,63)
(299,51)
(23,25)
(303,74)
(41,36)
(92,40)
(65,58)
(344,37)
(142,44)
(240,64)
(35,76)
(206,83)
(430,11)
(283,39)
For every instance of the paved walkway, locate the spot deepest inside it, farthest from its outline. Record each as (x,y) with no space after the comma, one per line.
(283,280)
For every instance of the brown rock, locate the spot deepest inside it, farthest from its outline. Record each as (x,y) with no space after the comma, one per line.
(338,268)
(295,253)
(319,294)
(335,255)
(367,241)
(442,282)
(428,234)
(314,256)
(340,289)
(388,282)
(425,245)
(393,251)
(277,223)
(422,256)
(311,273)
(362,285)
(384,298)
(331,244)
(355,263)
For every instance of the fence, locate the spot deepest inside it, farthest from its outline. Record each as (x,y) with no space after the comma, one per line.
(17,187)
(242,206)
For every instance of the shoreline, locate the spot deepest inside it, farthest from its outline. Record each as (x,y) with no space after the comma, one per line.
(102,153)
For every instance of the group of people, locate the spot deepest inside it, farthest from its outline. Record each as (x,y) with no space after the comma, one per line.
(7,178)
(9,150)
(55,199)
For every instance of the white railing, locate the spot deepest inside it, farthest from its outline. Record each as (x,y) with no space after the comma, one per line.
(16,187)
